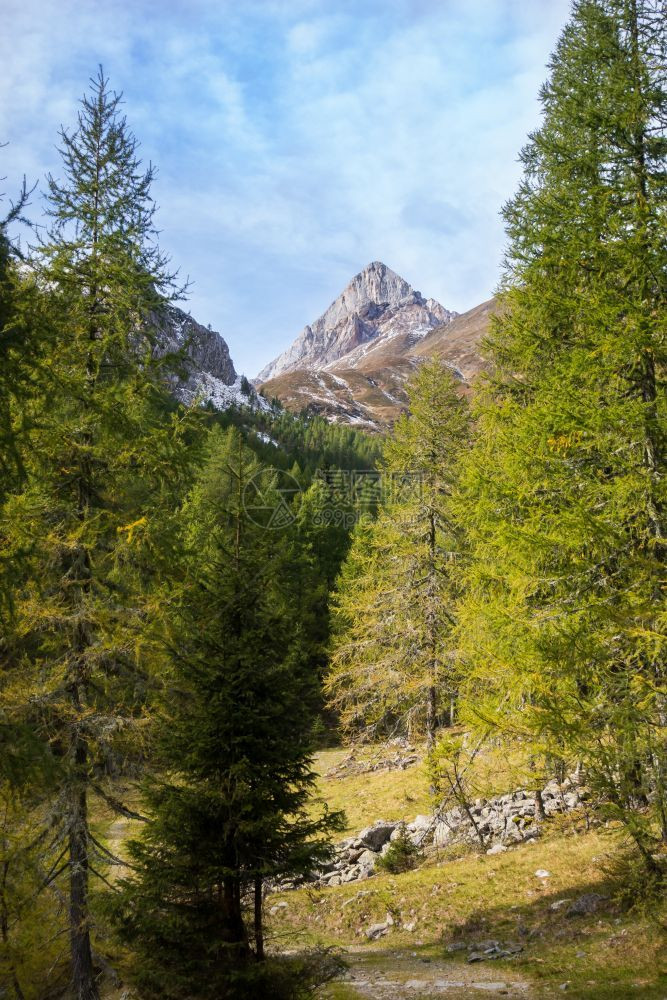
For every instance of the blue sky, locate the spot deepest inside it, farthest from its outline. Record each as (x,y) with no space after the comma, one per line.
(297,140)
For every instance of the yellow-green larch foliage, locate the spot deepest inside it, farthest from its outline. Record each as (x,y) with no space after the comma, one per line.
(563,623)
(392,662)
(84,530)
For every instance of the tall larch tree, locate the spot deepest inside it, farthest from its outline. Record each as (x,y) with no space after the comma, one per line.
(392,660)
(563,625)
(104,459)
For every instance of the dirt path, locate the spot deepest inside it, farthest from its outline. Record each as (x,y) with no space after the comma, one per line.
(395,975)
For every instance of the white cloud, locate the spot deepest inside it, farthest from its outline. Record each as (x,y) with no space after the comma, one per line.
(298,141)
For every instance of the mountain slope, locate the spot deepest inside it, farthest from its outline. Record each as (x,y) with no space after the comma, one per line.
(366,386)
(459,343)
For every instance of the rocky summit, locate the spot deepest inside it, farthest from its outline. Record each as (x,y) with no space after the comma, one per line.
(377,304)
(352,364)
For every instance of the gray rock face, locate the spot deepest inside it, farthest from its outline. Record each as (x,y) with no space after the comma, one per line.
(207,372)
(206,352)
(377,302)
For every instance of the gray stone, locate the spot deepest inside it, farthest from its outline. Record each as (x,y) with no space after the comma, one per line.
(375,836)
(585,905)
(378,930)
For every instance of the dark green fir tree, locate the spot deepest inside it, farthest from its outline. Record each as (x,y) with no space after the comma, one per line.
(234,746)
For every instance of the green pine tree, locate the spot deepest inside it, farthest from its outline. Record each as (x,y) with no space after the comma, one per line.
(563,622)
(234,745)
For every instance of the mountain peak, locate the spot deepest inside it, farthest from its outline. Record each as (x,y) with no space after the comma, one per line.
(375,298)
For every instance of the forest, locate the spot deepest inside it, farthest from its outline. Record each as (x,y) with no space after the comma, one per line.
(487,578)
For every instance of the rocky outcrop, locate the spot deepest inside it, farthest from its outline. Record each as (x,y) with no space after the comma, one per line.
(508,819)
(207,373)
(204,351)
(377,304)
(494,825)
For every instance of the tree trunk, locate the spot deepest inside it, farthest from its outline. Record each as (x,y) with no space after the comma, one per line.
(259,929)
(232,931)
(431,714)
(4,927)
(83,975)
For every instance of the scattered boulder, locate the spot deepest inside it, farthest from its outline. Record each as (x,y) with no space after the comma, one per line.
(486,951)
(585,905)
(375,931)
(380,929)
(367,859)
(375,836)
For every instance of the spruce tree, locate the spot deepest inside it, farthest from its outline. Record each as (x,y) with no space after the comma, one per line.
(103,464)
(563,622)
(392,659)
(234,750)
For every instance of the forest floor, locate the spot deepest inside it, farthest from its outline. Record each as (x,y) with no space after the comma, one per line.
(456,902)
(451,906)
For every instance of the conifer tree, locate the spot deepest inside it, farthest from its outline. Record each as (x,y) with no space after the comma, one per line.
(234,746)
(563,622)
(104,462)
(395,606)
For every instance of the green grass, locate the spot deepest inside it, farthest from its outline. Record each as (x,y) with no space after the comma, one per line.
(372,795)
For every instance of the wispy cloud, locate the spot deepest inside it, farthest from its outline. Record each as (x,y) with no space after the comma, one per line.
(298,141)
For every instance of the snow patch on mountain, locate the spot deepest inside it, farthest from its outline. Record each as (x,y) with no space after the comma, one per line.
(207,371)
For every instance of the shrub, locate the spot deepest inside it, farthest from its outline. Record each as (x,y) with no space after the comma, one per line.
(401,856)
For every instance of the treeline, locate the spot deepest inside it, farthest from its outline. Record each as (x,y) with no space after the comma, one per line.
(164,579)
(519,586)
